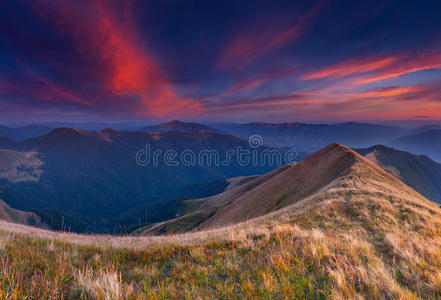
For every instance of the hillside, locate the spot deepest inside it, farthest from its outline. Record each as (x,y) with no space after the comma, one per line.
(428,143)
(92,176)
(154,212)
(16,216)
(417,171)
(359,233)
(19,166)
(278,189)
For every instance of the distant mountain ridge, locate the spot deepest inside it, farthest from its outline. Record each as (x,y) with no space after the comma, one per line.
(312,137)
(25,132)
(176,125)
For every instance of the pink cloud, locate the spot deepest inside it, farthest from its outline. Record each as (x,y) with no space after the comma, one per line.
(251,43)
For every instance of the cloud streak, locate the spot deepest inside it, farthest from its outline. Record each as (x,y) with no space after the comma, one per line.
(368,70)
(250,43)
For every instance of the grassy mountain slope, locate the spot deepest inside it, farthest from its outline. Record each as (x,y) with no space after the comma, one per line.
(417,171)
(364,234)
(16,216)
(273,191)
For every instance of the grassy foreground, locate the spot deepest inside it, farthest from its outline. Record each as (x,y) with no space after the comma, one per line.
(365,235)
(359,257)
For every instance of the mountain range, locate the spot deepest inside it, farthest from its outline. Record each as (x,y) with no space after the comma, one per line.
(301,136)
(92,176)
(24,132)
(312,137)
(177,126)
(89,180)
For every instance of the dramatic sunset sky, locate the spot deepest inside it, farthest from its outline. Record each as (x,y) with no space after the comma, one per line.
(273,61)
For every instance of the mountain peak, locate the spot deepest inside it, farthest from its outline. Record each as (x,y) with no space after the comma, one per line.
(331,166)
(333,153)
(334,172)
(180,124)
(174,122)
(64,135)
(69,131)
(177,125)
(336,145)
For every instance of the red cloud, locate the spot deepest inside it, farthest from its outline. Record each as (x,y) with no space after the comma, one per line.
(405,66)
(353,67)
(128,67)
(134,72)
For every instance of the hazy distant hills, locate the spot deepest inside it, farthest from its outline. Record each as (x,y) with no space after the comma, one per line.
(93,175)
(31,131)
(427,142)
(90,125)
(177,126)
(25,132)
(304,137)
(418,171)
(424,128)
(311,137)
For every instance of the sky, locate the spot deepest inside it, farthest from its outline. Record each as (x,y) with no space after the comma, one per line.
(220,61)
